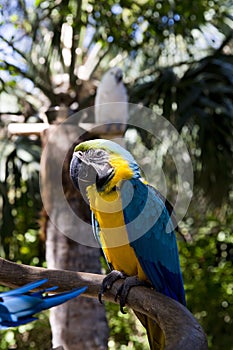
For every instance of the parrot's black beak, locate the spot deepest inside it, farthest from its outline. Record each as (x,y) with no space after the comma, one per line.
(84,172)
(119,76)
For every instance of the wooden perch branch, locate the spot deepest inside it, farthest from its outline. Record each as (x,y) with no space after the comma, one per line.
(181,329)
(108,130)
(27,129)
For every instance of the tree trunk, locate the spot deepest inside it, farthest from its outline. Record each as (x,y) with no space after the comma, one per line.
(80,323)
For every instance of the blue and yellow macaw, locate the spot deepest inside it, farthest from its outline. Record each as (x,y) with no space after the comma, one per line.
(18,306)
(132,222)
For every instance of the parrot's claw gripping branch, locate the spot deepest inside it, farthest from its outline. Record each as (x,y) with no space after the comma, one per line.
(108,281)
(123,290)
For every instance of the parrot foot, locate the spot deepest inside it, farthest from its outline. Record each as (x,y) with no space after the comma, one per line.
(123,291)
(108,281)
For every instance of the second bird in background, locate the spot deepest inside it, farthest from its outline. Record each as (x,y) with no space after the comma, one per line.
(111,89)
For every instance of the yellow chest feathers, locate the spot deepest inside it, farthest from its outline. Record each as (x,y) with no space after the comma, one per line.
(107,208)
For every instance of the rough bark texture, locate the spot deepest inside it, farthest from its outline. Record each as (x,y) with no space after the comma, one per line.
(182,331)
(80,323)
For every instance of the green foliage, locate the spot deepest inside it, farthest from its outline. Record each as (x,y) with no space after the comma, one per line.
(20,200)
(204,98)
(201,100)
(152,34)
(33,336)
(126,332)
(207,265)
(19,229)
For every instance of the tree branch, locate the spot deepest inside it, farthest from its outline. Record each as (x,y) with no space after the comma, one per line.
(181,329)
(75,42)
(11,44)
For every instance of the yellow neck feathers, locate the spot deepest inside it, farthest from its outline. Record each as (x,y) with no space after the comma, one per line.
(107,205)
(122,172)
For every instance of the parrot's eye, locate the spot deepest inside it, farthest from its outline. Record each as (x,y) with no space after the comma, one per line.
(98,156)
(99,153)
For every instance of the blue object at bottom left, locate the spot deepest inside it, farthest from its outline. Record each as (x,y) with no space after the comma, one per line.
(18,306)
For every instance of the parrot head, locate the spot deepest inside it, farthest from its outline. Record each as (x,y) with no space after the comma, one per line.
(113,76)
(101,163)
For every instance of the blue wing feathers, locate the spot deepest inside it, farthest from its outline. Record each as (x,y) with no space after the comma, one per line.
(147,219)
